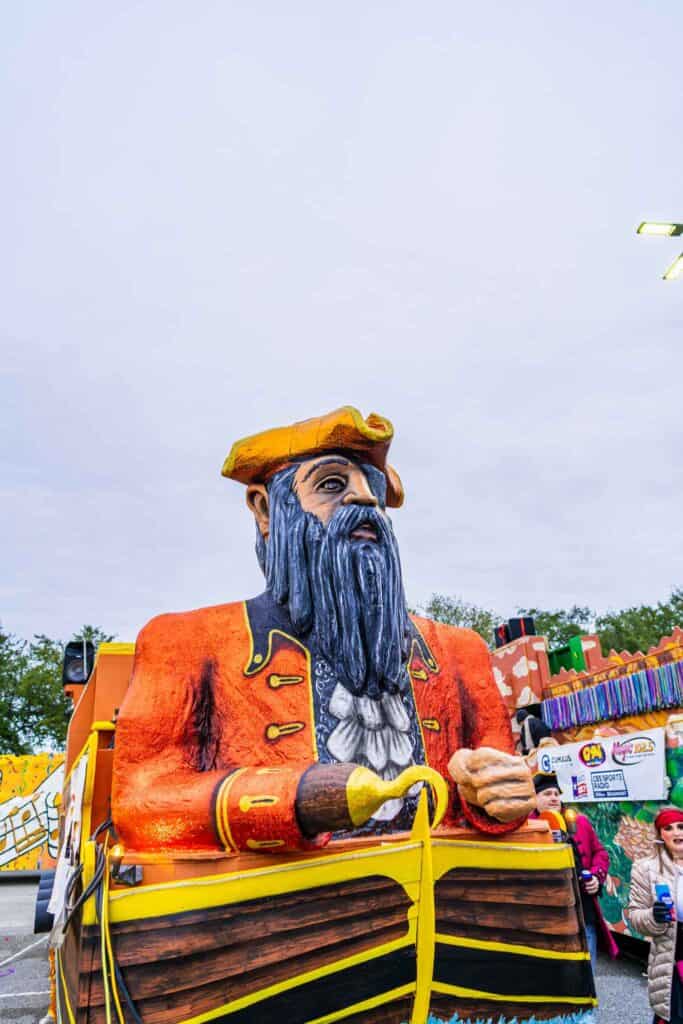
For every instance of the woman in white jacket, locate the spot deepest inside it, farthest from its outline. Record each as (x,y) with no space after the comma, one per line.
(651,916)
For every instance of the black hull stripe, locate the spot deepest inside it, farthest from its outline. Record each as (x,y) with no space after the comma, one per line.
(331,993)
(512,974)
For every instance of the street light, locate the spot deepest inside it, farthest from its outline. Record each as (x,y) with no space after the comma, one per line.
(675,270)
(664,229)
(652,227)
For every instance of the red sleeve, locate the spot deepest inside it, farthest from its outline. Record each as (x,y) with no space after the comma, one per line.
(599,857)
(486,722)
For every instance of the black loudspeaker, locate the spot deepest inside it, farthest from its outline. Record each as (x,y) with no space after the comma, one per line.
(524,626)
(501,635)
(78,662)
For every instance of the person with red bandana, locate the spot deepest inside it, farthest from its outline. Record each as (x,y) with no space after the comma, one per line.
(245,724)
(659,919)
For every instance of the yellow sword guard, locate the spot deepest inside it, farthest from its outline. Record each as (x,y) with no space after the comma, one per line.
(366,792)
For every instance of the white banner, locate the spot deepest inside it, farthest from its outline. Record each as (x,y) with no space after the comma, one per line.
(630,766)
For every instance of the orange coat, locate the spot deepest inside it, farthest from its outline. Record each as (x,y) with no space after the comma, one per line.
(216,730)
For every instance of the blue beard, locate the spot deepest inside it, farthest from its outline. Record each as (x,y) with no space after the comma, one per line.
(347,594)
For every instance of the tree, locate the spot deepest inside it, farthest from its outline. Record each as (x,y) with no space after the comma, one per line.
(456,612)
(13,662)
(561,624)
(33,708)
(95,635)
(641,626)
(48,708)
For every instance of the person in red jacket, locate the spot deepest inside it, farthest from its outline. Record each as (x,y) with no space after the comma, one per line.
(591,857)
(244,723)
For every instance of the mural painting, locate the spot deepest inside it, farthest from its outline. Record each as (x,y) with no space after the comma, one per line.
(30,789)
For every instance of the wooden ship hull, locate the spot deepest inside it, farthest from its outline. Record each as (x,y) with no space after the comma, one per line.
(420,928)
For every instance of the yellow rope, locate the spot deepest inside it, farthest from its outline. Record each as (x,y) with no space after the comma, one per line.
(103,944)
(110,952)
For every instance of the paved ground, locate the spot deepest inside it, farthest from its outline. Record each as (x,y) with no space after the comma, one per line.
(23,982)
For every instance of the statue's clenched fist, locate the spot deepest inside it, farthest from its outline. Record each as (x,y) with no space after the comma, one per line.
(499,783)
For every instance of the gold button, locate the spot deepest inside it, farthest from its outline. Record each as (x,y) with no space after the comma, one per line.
(258,658)
(431,724)
(275,681)
(418,673)
(247,802)
(276,730)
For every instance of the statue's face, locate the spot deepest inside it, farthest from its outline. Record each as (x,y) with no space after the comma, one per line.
(327,483)
(328,552)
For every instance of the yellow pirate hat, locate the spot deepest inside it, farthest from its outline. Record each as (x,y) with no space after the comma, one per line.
(255,459)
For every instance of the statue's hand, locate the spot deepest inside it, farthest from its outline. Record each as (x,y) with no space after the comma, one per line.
(338,797)
(499,783)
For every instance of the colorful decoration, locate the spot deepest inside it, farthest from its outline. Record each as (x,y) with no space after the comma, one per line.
(621,694)
(30,788)
(310,791)
(650,689)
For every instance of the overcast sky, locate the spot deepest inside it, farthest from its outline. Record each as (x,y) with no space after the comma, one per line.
(220,217)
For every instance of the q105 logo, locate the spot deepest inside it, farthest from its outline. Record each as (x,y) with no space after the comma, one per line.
(592,754)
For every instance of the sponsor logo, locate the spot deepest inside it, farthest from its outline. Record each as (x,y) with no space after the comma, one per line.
(592,754)
(579,787)
(632,750)
(548,762)
(609,785)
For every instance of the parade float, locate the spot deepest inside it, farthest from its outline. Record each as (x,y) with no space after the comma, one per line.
(306,807)
(615,727)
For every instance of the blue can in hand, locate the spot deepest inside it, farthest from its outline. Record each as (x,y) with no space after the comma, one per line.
(663,894)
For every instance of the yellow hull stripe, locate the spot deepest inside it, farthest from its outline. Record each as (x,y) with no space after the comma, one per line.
(366,957)
(510,947)
(368,1004)
(505,857)
(401,863)
(497,997)
(426,922)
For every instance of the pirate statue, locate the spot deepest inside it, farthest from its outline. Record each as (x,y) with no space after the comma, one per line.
(257,725)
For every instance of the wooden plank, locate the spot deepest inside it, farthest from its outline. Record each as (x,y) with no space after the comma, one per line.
(253,926)
(560,943)
(495,877)
(169,1006)
(469,891)
(545,920)
(245,968)
(371,885)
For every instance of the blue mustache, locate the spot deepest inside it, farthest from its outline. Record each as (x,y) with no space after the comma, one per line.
(350,517)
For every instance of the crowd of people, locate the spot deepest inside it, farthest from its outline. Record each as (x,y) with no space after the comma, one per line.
(656,899)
